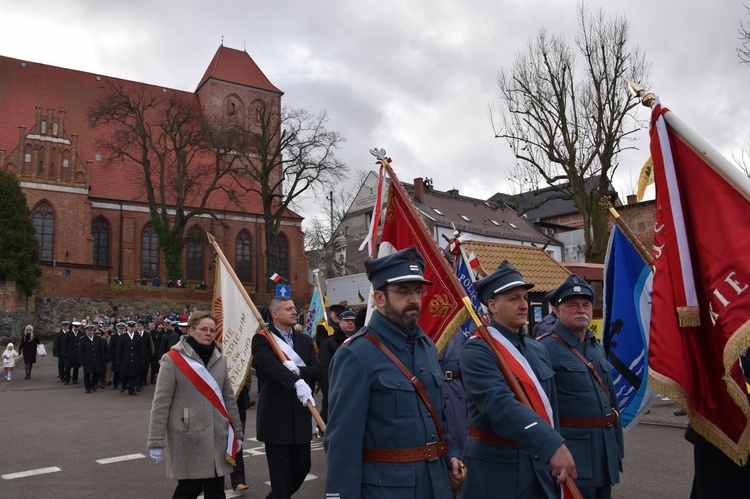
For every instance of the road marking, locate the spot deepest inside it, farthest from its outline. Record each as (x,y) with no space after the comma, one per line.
(229,494)
(309,477)
(118,459)
(24,474)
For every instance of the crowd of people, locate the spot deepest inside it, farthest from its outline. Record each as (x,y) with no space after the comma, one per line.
(115,353)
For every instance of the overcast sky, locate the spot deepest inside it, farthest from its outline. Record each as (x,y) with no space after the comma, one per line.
(414,77)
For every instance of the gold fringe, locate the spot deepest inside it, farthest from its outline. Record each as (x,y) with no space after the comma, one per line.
(451,329)
(230,459)
(669,387)
(689,316)
(737,345)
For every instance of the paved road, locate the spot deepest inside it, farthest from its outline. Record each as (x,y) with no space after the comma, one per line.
(61,442)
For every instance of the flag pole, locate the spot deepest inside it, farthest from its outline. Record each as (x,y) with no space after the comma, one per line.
(645,254)
(276,350)
(320,292)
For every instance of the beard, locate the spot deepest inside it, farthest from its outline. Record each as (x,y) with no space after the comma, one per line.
(400,318)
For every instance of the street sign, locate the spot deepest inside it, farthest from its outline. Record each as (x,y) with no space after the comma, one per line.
(283,290)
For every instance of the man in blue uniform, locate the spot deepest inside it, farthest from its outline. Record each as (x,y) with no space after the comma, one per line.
(383,439)
(586,395)
(512,450)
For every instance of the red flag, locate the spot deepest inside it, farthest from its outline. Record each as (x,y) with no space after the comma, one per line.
(443,311)
(700,322)
(473,260)
(275,277)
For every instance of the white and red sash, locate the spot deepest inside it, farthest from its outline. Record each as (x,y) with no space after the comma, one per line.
(521,368)
(288,351)
(199,376)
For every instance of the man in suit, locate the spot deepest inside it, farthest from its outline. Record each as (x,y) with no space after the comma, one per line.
(58,349)
(147,349)
(129,357)
(72,362)
(90,353)
(283,420)
(586,396)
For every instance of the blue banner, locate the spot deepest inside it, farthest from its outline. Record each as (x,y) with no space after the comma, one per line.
(315,314)
(627,313)
(466,278)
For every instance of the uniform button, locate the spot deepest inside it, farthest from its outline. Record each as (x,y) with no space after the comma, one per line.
(432,435)
(536,457)
(398,384)
(421,369)
(380,481)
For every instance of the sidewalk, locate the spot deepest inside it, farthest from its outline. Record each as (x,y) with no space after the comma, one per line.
(662,413)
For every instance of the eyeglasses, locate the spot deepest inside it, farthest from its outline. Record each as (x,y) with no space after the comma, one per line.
(407,292)
(206,329)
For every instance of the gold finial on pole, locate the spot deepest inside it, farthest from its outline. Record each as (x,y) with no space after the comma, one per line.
(636,90)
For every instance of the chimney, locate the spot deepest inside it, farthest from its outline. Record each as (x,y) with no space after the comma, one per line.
(453,192)
(632,199)
(419,189)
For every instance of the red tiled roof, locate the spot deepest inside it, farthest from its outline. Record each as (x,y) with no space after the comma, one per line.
(236,66)
(25,85)
(535,265)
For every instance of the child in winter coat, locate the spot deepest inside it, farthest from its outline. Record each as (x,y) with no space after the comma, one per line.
(9,360)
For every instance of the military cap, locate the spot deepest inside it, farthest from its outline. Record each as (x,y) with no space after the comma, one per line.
(406,265)
(90,325)
(347,315)
(76,323)
(182,324)
(504,278)
(130,323)
(574,285)
(65,323)
(339,307)
(120,325)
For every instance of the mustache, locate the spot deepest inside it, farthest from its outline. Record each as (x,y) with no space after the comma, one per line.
(581,316)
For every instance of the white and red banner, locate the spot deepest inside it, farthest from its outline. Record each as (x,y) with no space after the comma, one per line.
(235,324)
(700,321)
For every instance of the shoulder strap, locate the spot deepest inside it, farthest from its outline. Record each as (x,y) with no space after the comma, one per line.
(588,364)
(412,379)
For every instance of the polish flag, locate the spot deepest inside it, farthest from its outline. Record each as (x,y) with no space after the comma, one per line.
(473,260)
(275,277)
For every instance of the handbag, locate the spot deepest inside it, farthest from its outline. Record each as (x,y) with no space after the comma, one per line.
(40,350)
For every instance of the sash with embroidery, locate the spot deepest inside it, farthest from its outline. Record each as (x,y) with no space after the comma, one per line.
(199,376)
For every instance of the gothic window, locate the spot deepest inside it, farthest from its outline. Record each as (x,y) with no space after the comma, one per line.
(44,228)
(54,129)
(243,260)
(100,232)
(149,253)
(195,254)
(282,256)
(44,127)
(40,165)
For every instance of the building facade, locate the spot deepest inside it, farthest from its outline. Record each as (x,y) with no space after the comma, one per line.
(90,210)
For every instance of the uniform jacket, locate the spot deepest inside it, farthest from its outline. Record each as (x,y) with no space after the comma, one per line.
(184,422)
(129,355)
(91,353)
(545,325)
(494,408)
(58,345)
(597,452)
(281,419)
(373,405)
(70,347)
(454,395)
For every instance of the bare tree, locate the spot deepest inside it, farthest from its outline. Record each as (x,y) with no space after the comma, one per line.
(181,158)
(742,159)
(286,153)
(743,52)
(566,124)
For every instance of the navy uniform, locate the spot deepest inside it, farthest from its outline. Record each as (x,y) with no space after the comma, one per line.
(58,349)
(90,353)
(509,444)
(544,325)
(588,413)
(70,347)
(129,358)
(375,413)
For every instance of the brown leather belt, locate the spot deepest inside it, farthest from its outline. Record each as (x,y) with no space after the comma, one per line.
(430,452)
(490,438)
(602,422)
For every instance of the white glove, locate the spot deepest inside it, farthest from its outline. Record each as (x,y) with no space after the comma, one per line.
(239,445)
(156,454)
(303,392)
(291,366)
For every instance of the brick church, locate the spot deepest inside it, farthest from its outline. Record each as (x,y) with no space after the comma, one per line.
(91,214)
